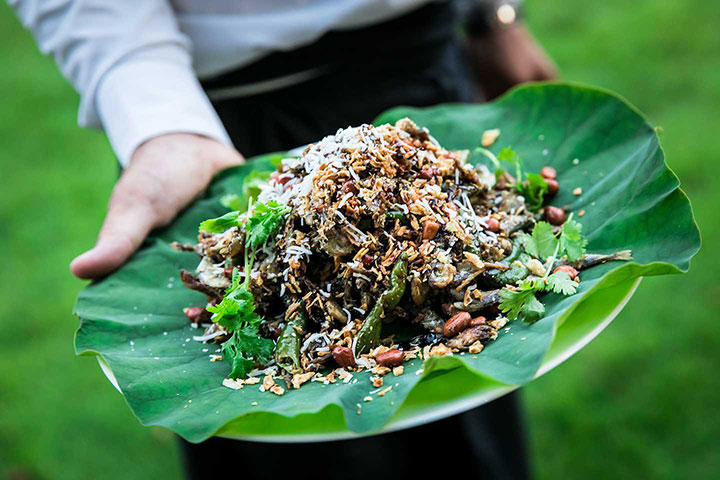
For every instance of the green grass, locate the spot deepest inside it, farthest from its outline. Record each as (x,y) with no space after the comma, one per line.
(640,401)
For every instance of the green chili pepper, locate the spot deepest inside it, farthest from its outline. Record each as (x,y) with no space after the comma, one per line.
(369,334)
(287,348)
(395,215)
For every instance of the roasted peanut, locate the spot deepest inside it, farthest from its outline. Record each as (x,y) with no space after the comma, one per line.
(572,273)
(554,215)
(548,173)
(477,321)
(553,187)
(390,358)
(493,224)
(194,314)
(456,324)
(343,356)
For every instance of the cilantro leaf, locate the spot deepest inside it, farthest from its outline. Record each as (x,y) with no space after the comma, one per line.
(533,189)
(507,154)
(560,282)
(531,186)
(512,302)
(236,309)
(572,242)
(541,243)
(532,310)
(244,348)
(220,224)
(264,221)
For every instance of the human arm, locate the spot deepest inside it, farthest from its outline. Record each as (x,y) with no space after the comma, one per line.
(500,51)
(133,70)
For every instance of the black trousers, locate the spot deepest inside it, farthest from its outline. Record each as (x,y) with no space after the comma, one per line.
(415,61)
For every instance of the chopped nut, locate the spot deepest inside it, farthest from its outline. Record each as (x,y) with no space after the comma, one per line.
(376,381)
(253,380)
(367,399)
(215,358)
(430,229)
(439,350)
(489,137)
(380,370)
(498,323)
(382,393)
(475,347)
(397,371)
(577,191)
(277,390)
(301,378)
(581,213)
(230,383)
(535,267)
(268,382)
(377,351)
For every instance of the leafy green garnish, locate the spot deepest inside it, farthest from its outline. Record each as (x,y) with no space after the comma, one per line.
(533,189)
(220,224)
(236,312)
(521,302)
(572,242)
(560,282)
(265,219)
(542,243)
(531,186)
(237,307)
(244,348)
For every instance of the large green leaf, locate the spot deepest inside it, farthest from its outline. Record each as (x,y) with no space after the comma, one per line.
(134,318)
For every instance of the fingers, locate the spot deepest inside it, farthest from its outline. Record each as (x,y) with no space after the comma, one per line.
(128,222)
(165,174)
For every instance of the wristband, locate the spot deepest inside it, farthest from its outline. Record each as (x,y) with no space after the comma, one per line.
(488,16)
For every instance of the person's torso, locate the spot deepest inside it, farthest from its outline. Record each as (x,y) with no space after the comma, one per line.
(227,34)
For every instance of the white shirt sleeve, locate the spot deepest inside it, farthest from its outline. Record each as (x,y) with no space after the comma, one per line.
(131,65)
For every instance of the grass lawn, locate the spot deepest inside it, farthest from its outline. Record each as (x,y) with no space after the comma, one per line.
(640,401)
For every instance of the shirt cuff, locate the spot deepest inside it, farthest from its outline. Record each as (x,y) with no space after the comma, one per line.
(140,99)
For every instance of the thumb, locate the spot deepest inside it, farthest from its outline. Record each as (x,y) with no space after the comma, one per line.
(126,226)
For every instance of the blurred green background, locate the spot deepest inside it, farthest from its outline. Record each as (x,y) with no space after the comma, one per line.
(641,401)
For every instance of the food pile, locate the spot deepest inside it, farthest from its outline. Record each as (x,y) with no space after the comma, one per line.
(377,245)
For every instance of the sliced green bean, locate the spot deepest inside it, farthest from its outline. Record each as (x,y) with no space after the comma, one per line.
(369,334)
(287,348)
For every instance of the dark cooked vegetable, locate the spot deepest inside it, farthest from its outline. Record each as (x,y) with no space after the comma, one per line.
(369,334)
(287,348)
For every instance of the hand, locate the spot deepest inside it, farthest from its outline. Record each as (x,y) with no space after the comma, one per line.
(504,58)
(165,173)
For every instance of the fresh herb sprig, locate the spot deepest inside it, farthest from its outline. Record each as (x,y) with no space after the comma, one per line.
(521,301)
(236,312)
(530,185)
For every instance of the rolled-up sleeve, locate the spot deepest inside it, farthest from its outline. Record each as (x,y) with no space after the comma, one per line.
(130,63)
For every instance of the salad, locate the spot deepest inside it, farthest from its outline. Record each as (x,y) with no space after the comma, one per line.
(377,245)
